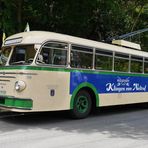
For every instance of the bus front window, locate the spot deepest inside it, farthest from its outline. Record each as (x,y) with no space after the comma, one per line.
(4,55)
(22,55)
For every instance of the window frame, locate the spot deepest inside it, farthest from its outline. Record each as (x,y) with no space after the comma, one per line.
(56,42)
(145,61)
(122,56)
(102,53)
(24,46)
(91,52)
(137,59)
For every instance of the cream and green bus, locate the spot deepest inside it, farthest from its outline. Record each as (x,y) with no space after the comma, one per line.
(46,71)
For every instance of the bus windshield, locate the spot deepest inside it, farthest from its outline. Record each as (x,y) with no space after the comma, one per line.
(4,55)
(22,55)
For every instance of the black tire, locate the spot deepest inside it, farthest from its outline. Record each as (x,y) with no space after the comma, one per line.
(82,105)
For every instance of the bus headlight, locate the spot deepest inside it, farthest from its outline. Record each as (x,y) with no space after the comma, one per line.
(20,85)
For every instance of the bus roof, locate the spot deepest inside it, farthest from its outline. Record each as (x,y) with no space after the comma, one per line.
(40,37)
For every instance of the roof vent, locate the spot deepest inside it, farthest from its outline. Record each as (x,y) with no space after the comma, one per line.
(126,44)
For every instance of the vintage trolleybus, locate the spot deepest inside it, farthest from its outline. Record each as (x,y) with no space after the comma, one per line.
(45,71)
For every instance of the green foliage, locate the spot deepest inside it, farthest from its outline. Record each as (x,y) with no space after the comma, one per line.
(93,19)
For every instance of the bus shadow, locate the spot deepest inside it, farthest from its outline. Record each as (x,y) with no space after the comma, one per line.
(122,121)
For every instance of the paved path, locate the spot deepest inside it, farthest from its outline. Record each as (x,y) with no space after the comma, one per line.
(112,128)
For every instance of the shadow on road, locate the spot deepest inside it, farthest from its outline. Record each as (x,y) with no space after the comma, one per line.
(125,122)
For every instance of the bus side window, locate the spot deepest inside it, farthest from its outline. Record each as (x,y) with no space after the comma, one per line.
(81,57)
(54,53)
(121,62)
(59,60)
(136,64)
(103,60)
(75,60)
(146,66)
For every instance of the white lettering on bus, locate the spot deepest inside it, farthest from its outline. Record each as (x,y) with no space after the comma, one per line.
(113,87)
(135,87)
(138,87)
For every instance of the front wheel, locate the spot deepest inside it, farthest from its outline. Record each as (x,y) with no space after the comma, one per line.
(82,105)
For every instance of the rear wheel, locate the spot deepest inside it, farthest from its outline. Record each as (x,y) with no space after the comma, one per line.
(82,105)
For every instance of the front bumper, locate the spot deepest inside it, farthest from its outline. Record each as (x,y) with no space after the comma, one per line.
(16,103)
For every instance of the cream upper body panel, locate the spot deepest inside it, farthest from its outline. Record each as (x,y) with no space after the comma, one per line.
(40,37)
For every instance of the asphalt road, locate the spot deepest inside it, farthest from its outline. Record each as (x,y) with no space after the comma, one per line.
(109,128)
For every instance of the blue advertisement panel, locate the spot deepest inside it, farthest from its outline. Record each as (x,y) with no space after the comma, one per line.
(108,83)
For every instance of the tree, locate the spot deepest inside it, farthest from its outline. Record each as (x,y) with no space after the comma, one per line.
(92,19)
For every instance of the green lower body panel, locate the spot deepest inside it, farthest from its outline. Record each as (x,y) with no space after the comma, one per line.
(18,103)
